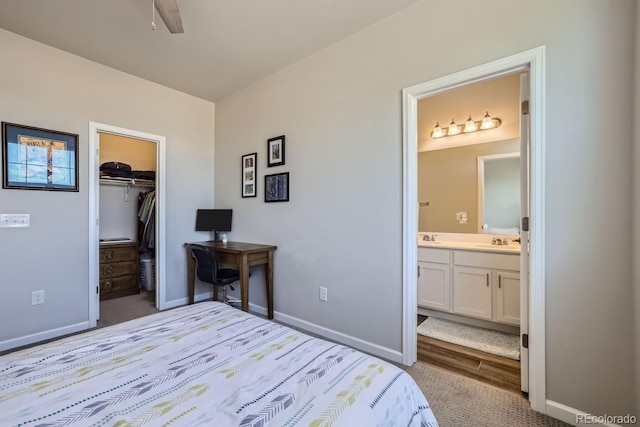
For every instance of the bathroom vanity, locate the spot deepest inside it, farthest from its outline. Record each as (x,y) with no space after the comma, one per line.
(474,280)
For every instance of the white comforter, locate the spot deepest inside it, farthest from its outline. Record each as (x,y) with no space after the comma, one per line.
(208,365)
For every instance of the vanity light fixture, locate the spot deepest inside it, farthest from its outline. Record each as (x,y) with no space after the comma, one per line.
(453,129)
(469,126)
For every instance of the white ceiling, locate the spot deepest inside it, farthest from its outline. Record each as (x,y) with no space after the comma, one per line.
(226,45)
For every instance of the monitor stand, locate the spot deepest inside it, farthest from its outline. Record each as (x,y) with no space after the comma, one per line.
(216,236)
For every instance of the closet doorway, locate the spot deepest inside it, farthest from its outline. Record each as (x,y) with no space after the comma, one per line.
(126,220)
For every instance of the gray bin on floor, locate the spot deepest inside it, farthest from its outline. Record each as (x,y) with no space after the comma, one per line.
(147,272)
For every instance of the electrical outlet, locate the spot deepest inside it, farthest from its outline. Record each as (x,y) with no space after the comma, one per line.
(323,293)
(37,297)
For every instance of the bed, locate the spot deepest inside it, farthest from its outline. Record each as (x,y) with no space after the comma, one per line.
(207,364)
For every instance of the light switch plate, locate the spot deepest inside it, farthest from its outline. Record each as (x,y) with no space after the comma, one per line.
(14,220)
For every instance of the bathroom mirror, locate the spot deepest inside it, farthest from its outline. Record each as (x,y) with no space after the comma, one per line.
(454,197)
(499,194)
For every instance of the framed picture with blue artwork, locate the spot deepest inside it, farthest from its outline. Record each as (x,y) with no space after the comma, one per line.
(276,187)
(39,159)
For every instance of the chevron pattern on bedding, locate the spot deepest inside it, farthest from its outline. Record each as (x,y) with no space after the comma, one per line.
(206,364)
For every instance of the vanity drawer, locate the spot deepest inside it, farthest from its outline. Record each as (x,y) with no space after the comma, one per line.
(441,256)
(487,260)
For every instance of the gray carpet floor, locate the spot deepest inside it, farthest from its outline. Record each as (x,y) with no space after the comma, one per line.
(456,401)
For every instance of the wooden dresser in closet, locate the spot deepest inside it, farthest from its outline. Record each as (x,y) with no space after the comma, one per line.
(118,270)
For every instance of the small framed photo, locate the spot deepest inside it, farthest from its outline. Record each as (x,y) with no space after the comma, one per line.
(249,171)
(275,150)
(276,187)
(39,159)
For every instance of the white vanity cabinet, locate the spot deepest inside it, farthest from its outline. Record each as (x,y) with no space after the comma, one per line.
(434,278)
(486,285)
(479,284)
(472,291)
(508,297)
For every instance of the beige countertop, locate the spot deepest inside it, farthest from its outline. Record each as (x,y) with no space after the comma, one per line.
(511,248)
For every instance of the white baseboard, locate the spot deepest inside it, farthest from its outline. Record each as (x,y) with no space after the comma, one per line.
(43,336)
(330,334)
(572,416)
(184,301)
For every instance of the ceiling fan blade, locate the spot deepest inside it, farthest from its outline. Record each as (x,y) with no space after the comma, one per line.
(170,14)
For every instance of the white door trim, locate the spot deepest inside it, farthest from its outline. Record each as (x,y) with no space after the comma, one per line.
(533,61)
(94,209)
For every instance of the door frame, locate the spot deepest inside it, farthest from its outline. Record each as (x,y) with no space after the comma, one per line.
(94,211)
(534,62)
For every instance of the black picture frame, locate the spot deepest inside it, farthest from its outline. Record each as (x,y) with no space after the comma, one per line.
(249,170)
(276,187)
(275,151)
(39,159)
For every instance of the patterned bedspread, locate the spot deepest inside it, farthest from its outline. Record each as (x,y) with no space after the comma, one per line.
(207,365)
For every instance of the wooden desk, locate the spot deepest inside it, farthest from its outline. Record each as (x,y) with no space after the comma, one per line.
(242,255)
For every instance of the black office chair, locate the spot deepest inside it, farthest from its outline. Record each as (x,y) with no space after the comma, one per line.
(207,270)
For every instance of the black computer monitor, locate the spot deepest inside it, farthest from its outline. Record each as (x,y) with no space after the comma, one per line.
(215,220)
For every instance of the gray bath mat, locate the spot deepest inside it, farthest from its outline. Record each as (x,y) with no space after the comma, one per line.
(492,342)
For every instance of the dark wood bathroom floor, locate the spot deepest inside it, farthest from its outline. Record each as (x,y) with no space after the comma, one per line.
(498,371)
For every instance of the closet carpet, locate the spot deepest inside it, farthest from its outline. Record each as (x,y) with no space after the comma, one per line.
(120,310)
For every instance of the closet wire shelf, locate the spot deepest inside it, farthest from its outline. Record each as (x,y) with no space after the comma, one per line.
(129,182)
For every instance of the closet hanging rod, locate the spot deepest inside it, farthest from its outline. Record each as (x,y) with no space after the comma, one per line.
(135,182)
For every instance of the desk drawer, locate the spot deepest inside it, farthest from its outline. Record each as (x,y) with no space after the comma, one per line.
(226,258)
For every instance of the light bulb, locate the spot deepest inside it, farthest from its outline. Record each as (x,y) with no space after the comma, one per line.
(487,122)
(453,128)
(437,131)
(469,125)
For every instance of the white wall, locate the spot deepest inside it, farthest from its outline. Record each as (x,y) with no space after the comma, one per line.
(340,110)
(45,87)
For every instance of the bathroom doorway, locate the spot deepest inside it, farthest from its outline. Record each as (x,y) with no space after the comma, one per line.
(469,195)
(532,63)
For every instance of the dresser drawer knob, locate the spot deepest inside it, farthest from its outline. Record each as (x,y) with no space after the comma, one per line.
(109,270)
(109,255)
